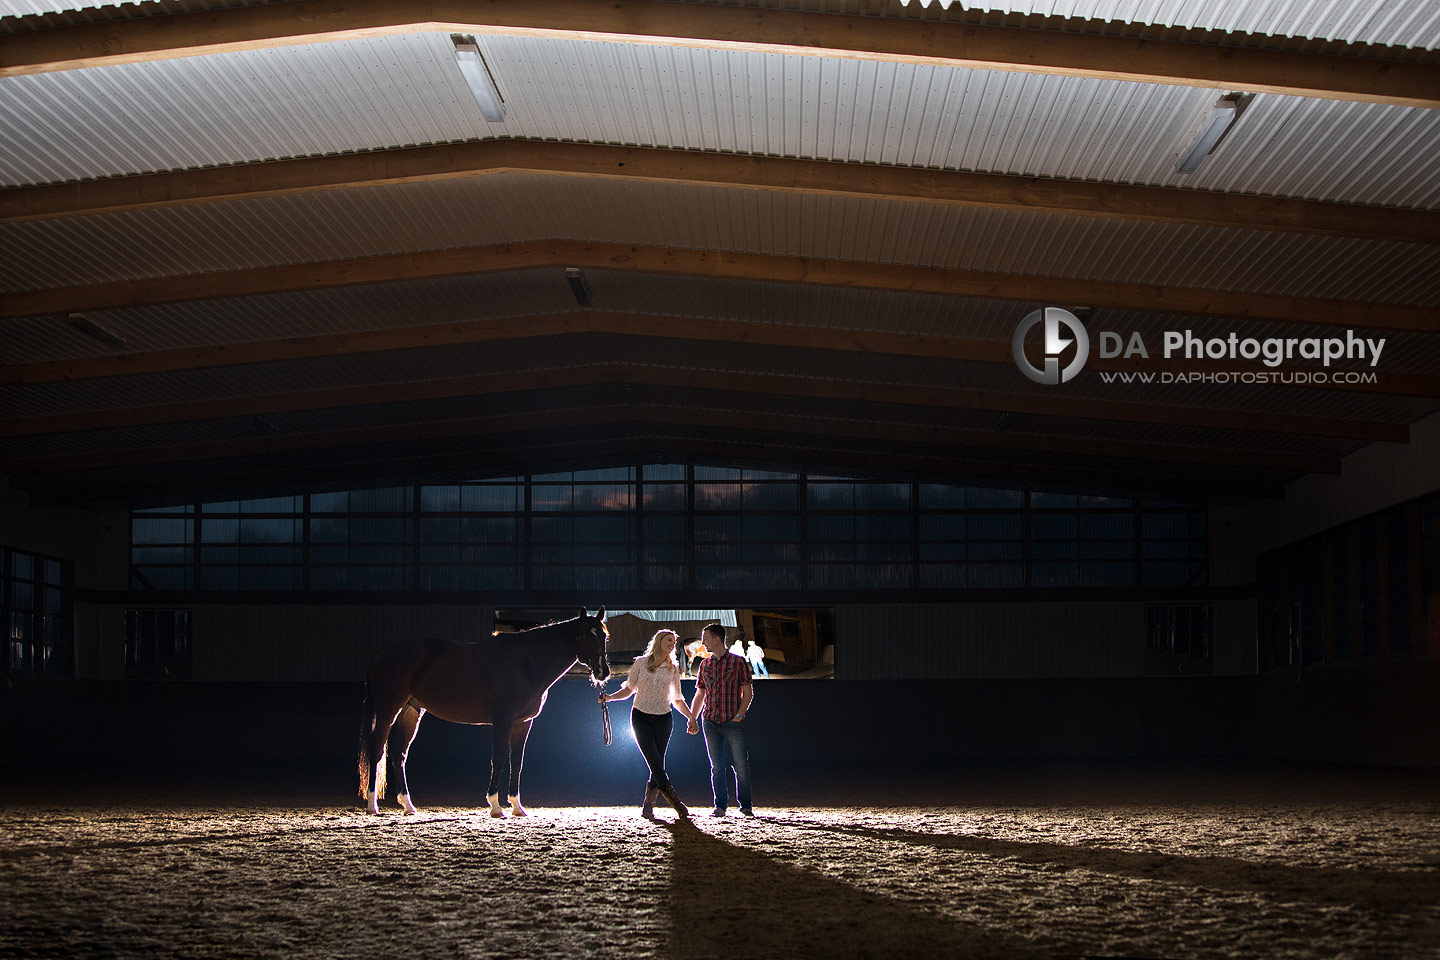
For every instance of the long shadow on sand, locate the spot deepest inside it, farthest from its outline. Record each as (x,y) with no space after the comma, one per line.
(1381,888)
(729,901)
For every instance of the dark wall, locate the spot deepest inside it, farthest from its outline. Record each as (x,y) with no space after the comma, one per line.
(1378,714)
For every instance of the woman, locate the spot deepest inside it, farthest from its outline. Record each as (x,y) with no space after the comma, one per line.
(654,681)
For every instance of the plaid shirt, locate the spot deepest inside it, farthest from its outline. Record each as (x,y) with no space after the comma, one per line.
(721,677)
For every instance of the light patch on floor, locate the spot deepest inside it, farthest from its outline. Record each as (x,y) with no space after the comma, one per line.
(313,878)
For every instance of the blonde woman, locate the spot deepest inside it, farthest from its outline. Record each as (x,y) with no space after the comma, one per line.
(654,681)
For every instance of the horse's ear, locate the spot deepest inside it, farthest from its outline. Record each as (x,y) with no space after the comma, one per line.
(584,613)
(601,614)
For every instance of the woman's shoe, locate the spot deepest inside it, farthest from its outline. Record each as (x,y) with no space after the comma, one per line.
(648,810)
(669,793)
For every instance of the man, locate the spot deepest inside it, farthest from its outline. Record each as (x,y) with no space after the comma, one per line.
(723,691)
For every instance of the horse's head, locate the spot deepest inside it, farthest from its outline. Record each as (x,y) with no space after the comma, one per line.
(590,641)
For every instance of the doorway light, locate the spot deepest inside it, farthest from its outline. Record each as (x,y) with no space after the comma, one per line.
(478,77)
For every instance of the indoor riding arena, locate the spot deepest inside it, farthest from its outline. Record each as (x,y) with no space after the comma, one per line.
(1006,434)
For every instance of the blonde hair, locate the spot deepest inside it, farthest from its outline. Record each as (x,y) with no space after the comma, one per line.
(652,655)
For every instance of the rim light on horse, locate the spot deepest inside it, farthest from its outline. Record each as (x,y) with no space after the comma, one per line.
(501,681)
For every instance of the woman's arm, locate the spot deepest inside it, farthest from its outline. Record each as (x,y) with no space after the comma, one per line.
(677,696)
(696,703)
(625,691)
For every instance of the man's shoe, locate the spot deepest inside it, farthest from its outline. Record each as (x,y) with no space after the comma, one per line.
(746,813)
(718,812)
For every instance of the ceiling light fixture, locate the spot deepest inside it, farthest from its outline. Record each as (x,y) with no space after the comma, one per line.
(578,285)
(1208,132)
(478,77)
(92,329)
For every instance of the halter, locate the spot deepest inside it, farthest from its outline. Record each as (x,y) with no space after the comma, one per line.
(599,685)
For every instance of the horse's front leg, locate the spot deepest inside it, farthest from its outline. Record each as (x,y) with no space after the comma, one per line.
(518,735)
(496,793)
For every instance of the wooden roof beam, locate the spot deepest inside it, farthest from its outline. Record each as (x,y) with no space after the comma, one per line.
(277,178)
(675,377)
(1035,290)
(619,324)
(886,39)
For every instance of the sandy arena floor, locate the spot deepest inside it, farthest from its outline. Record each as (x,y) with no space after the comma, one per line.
(1023,869)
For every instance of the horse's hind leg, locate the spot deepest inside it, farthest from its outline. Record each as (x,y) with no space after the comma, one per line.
(373,753)
(518,735)
(407,725)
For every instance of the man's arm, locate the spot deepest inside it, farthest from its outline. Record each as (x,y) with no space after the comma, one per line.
(747,693)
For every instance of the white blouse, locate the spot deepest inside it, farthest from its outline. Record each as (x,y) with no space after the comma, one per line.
(654,692)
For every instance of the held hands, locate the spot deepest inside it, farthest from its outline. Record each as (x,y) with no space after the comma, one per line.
(693,726)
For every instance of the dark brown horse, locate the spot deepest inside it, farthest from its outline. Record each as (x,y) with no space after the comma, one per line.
(501,681)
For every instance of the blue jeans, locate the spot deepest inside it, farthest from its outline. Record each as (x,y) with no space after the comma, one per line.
(720,738)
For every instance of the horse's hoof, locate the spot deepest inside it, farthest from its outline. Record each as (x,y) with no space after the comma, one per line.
(519,811)
(498,813)
(405,802)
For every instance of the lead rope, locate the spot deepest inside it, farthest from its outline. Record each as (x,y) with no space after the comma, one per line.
(605,714)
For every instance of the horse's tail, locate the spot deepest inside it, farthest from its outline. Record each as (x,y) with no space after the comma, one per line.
(364,759)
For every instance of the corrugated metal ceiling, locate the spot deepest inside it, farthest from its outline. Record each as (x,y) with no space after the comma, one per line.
(599,350)
(80,11)
(537,292)
(1353,21)
(1388,22)
(302,313)
(336,225)
(379,93)
(386,92)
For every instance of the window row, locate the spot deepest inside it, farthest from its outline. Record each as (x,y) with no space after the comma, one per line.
(1368,589)
(37,609)
(663,487)
(659,526)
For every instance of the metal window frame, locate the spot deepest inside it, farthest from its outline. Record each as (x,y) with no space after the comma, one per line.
(802,573)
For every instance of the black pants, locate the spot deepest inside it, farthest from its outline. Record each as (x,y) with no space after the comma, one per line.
(652,735)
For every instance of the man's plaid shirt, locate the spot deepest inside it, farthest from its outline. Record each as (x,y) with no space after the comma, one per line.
(721,677)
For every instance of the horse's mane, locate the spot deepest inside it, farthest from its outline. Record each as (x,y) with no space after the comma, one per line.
(530,632)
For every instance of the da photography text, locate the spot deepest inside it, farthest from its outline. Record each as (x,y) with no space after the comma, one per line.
(1062,330)
(1271,351)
